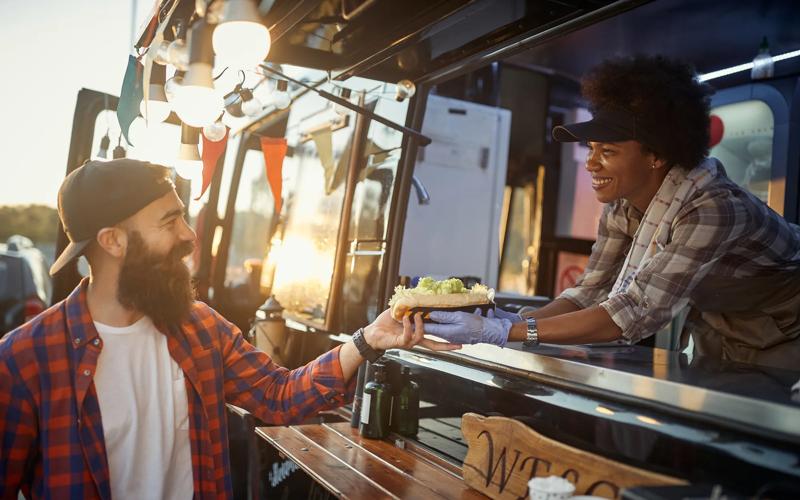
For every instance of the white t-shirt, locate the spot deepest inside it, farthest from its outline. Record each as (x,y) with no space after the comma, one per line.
(144,409)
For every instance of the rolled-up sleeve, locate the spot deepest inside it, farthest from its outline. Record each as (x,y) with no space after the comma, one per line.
(700,236)
(608,252)
(276,394)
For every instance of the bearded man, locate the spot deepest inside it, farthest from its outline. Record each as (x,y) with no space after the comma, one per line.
(120,389)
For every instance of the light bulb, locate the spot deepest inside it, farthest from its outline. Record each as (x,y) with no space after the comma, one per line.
(162,53)
(240,40)
(192,171)
(252,107)
(214,132)
(197,106)
(172,86)
(178,54)
(105,143)
(281,99)
(195,101)
(156,108)
(405,89)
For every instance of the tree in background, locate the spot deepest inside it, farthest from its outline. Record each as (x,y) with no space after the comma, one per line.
(37,222)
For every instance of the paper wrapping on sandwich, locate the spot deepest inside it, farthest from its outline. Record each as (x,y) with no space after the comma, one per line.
(447,295)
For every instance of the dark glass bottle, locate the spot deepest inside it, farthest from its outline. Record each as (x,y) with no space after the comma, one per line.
(376,405)
(355,418)
(405,414)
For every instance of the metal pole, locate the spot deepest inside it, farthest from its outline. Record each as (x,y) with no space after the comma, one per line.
(423,139)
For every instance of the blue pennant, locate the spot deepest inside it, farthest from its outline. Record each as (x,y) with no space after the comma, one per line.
(130,96)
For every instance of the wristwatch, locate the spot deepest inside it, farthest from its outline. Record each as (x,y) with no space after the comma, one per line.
(366,351)
(532,336)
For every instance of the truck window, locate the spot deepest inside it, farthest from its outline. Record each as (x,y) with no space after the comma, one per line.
(745,147)
(254,212)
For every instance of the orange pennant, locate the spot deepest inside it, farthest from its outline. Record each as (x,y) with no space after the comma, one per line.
(211,154)
(274,150)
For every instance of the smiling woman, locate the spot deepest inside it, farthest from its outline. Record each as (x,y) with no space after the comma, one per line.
(624,170)
(675,231)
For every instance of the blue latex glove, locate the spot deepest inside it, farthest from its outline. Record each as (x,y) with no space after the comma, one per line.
(503,314)
(465,328)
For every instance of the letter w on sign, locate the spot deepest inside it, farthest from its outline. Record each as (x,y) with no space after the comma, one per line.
(505,453)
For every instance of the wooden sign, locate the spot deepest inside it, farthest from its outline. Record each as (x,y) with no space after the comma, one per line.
(504,454)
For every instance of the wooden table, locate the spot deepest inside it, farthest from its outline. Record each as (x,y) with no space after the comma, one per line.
(349,466)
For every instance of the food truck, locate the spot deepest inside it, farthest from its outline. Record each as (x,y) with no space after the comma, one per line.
(416,142)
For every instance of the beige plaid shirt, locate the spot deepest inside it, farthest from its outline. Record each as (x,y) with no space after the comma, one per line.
(722,230)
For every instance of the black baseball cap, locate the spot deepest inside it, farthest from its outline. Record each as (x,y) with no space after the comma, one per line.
(102,194)
(606,125)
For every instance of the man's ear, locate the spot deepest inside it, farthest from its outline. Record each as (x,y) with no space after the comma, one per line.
(113,240)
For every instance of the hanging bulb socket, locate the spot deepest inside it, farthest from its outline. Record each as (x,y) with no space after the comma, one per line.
(281,98)
(250,105)
(156,108)
(105,143)
(189,164)
(190,139)
(340,110)
(233,105)
(119,151)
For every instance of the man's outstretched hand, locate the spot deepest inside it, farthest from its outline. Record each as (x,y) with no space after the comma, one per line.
(387,333)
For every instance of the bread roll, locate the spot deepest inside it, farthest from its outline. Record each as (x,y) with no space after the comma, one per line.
(429,295)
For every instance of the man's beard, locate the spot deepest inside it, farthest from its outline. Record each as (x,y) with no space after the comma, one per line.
(160,286)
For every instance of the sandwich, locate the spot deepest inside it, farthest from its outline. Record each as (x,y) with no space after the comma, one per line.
(446,295)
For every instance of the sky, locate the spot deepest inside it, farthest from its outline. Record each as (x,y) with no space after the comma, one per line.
(49,51)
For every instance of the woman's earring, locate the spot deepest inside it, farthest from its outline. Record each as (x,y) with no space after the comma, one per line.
(653,166)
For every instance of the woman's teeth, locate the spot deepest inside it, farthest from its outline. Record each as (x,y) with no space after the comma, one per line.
(600,181)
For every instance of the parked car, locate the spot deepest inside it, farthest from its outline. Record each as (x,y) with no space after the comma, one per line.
(25,286)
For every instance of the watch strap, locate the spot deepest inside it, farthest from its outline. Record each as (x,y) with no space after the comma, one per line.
(532,336)
(366,351)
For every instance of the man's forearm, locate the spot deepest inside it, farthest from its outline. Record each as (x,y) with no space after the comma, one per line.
(350,359)
(576,327)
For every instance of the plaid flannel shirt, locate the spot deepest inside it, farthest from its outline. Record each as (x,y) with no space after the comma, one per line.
(51,434)
(722,230)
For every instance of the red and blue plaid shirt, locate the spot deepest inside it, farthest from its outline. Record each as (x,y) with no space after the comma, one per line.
(51,434)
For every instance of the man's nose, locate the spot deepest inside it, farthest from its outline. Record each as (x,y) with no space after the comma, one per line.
(188,233)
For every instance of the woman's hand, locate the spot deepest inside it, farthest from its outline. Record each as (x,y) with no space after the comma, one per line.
(386,333)
(469,328)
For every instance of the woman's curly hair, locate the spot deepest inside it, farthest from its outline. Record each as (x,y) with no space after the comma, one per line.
(666,99)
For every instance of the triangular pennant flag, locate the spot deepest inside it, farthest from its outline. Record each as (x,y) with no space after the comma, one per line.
(274,150)
(323,139)
(212,150)
(130,96)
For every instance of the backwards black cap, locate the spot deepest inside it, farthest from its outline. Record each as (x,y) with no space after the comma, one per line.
(102,194)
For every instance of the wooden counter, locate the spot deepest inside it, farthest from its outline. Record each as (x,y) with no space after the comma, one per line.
(349,466)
